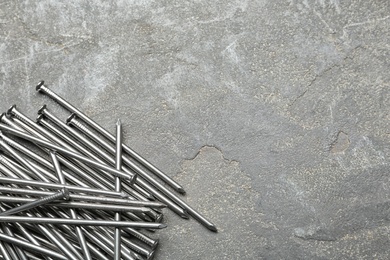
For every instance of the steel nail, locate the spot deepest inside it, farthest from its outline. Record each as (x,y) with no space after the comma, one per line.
(81,222)
(82,139)
(81,205)
(27,235)
(98,241)
(164,198)
(60,186)
(153,243)
(130,244)
(56,239)
(45,162)
(31,157)
(30,125)
(74,146)
(18,251)
(10,249)
(73,164)
(86,198)
(39,236)
(4,251)
(118,166)
(43,89)
(94,148)
(164,190)
(20,159)
(54,147)
(63,194)
(79,232)
(66,242)
(107,241)
(70,233)
(135,190)
(30,246)
(66,136)
(128,216)
(31,256)
(10,170)
(161,188)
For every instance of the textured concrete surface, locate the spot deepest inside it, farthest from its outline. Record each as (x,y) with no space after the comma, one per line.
(274,115)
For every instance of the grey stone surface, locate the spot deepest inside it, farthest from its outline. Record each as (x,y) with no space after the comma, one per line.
(274,115)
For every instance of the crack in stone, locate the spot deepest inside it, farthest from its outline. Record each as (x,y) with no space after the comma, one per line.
(210,146)
(226,160)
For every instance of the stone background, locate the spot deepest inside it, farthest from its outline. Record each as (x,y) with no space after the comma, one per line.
(274,115)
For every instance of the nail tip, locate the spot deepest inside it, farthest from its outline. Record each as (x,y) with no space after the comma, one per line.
(213,228)
(185,215)
(181,191)
(161,226)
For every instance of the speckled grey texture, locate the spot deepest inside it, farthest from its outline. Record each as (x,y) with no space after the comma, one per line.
(274,115)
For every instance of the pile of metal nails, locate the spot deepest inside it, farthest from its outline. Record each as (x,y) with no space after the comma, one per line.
(75,191)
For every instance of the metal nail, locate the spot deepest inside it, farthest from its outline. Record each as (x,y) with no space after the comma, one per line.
(30,125)
(68,131)
(26,234)
(8,168)
(66,242)
(10,249)
(99,241)
(21,160)
(45,162)
(65,151)
(73,121)
(81,222)
(47,231)
(81,205)
(30,246)
(161,188)
(18,251)
(64,140)
(153,243)
(69,231)
(93,147)
(78,197)
(82,139)
(63,194)
(4,251)
(118,166)
(65,135)
(106,239)
(84,172)
(60,186)
(130,244)
(79,232)
(43,89)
